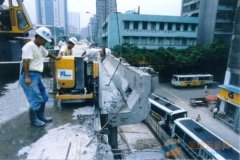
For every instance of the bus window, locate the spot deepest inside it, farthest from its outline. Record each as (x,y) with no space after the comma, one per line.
(192,144)
(179,132)
(178,115)
(181,79)
(161,112)
(175,78)
(189,79)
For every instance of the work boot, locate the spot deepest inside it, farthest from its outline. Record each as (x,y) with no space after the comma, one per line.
(34,120)
(41,116)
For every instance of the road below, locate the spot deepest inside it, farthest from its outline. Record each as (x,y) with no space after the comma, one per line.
(181,96)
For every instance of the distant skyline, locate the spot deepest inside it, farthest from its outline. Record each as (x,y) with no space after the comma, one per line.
(155,7)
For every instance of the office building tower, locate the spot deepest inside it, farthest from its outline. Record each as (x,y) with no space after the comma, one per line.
(103,9)
(52,13)
(92,27)
(215,18)
(74,23)
(229,110)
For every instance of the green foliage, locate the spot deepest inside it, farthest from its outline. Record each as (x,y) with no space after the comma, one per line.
(195,59)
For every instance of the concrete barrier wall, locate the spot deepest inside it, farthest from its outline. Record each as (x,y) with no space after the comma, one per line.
(126,98)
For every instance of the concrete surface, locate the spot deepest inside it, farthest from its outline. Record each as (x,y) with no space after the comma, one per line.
(20,140)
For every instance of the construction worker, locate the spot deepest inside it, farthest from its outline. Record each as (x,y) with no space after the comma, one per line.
(106,52)
(33,54)
(94,54)
(67,49)
(62,42)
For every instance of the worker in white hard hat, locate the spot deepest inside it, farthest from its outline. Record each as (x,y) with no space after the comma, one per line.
(66,50)
(33,54)
(94,54)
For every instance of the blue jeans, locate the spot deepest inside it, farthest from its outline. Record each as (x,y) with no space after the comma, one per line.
(35,92)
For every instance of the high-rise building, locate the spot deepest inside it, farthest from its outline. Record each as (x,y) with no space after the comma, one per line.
(93,28)
(215,18)
(230,91)
(84,33)
(74,23)
(103,9)
(52,13)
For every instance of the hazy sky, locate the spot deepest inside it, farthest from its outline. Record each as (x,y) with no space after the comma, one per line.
(157,7)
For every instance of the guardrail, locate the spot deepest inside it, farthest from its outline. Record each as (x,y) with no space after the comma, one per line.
(124,92)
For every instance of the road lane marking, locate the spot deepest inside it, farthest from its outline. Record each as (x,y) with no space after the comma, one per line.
(178,98)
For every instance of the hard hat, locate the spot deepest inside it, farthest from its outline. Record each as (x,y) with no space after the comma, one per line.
(45,33)
(107,51)
(73,40)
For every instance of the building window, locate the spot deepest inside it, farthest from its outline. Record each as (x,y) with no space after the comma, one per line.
(172,41)
(135,25)
(186,8)
(126,39)
(144,40)
(194,6)
(169,26)
(225,15)
(193,27)
(144,25)
(191,41)
(223,27)
(160,41)
(126,25)
(177,42)
(185,27)
(167,42)
(230,3)
(184,41)
(194,15)
(161,26)
(153,26)
(178,27)
(235,80)
(230,110)
(135,41)
(152,41)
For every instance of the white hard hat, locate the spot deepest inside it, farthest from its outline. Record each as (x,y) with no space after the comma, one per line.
(73,40)
(45,33)
(107,51)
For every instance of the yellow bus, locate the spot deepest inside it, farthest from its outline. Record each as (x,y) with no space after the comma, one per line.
(191,80)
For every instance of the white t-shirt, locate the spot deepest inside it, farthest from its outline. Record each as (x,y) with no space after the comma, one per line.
(62,43)
(64,51)
(35,54)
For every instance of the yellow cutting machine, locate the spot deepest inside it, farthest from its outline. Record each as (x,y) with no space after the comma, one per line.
(76,79)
